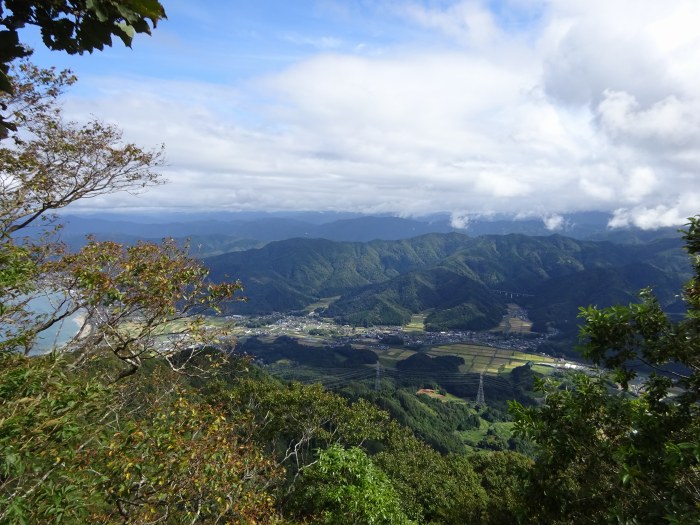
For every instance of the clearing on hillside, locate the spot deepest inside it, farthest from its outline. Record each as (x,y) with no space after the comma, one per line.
(515,321)
(417,324)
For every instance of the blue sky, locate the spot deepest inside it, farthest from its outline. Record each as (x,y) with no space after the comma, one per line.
(533,107)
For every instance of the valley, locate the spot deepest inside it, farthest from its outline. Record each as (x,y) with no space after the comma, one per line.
(430,381)
(493,352)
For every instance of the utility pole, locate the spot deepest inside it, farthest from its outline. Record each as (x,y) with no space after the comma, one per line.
(376,378)
(480,393)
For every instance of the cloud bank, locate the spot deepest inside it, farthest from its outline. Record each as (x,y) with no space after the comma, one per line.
(542,108)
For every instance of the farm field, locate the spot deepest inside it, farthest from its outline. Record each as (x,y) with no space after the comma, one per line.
(322,303)
(477,358)
(417,324)
(445,398)
(515,321)
(490,360)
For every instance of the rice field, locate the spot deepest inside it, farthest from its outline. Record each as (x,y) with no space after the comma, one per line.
(514,321)
(488,359)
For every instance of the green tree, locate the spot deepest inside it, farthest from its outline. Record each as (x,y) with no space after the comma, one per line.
(619,457)
(181,460)
(501,475)
(294,421)
(73,26)
(434,488)
(44,414)
(344,486)
(73,450)
(48,165)
(137,303)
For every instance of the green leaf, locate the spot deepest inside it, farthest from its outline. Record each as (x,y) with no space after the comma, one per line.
(127,34)
(148,8)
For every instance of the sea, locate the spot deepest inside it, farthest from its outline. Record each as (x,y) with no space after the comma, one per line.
(59,334)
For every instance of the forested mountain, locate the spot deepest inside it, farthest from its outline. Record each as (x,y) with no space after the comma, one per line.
(293,273)
(452,277)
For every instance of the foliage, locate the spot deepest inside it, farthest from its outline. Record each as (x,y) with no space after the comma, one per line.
(293,421)
(433,487)
(617,457)
(432,421)
(344,486)
(184,461)
(130,299)
(74,448)
(73,26)
(49,165)
(501,475)
(133,299)
(76,451)
(45,415)
(578,433)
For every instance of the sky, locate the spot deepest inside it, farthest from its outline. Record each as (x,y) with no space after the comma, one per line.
(535,108)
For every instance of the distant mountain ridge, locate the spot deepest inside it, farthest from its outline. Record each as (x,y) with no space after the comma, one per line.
(452,277)
(264,228)
(214,234)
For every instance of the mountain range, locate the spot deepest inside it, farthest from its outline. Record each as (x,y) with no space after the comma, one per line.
(381,269)
(453,278)
(217,233)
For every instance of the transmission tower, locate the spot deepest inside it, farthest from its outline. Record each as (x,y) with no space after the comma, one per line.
(480,393)
(376,378)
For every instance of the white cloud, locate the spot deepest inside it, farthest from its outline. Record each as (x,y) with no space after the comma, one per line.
(641,183)
(593,105)
(669,123)
(554,222)
(599,45)
(469,22)
(459,221)
(323,42)
(503,184)
(651,217)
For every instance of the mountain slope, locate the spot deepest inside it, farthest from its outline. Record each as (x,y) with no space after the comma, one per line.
(449,275)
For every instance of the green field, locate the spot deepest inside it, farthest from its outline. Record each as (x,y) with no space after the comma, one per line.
(478,358)
(389,357)
(322,303)
(417,324)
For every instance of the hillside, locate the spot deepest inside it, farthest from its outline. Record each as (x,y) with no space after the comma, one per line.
(452,277)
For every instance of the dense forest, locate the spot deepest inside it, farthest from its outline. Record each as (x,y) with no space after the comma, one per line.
(454,277)
(149,415)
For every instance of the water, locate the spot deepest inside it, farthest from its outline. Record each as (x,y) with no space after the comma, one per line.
(60,333)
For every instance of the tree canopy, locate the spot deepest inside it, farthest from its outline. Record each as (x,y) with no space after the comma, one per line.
(137,303)
(73,26)
(607,454)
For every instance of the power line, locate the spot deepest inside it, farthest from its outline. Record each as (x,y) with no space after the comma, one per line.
(333,378)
